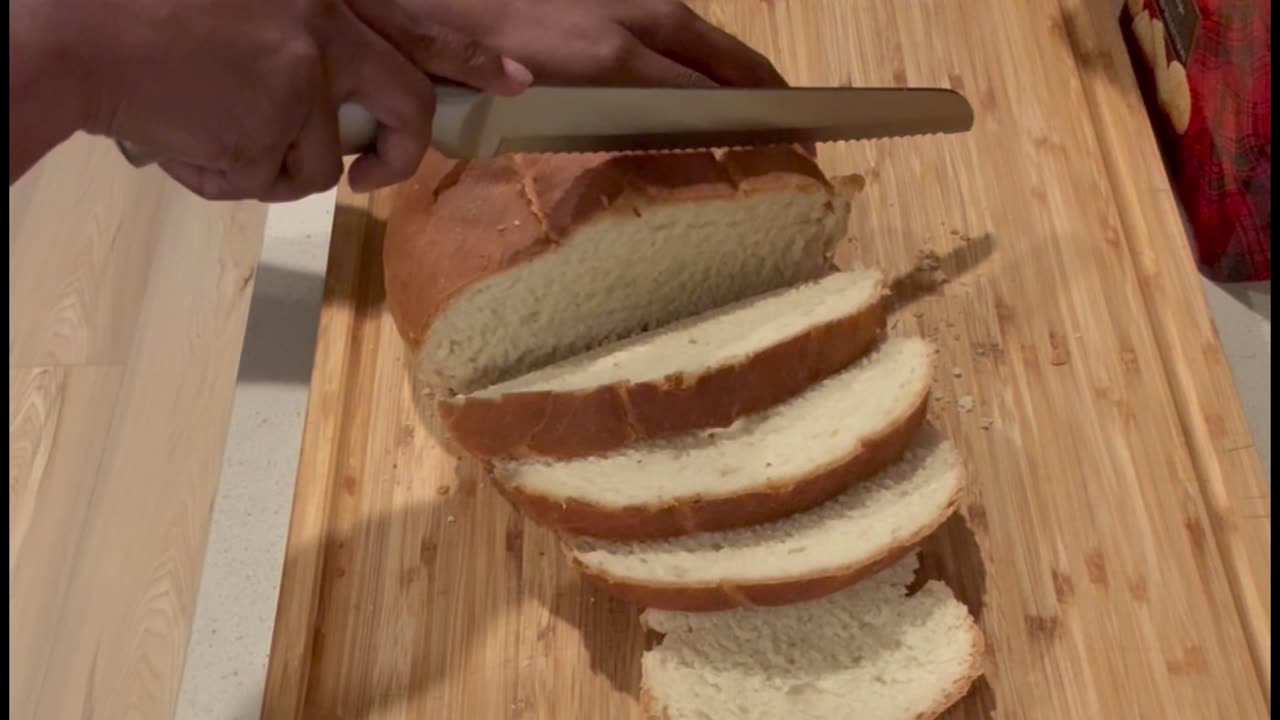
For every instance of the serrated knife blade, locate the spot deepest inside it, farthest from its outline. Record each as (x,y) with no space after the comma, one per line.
(594,119)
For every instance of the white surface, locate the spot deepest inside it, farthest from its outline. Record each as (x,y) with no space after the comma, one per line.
(1242,314)
(231,637)
(235,610)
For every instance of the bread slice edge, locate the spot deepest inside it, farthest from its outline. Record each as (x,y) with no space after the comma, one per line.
(705,597)
(779,499)
(564,425)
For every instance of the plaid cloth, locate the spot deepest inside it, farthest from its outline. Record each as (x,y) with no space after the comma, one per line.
(1221,163)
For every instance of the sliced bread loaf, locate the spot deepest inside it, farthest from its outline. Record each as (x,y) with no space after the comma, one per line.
(768,465)
(870,652)
(497,267)
(801,557)
(703,372)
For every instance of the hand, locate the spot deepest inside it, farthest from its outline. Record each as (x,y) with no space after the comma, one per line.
(578,42)
(240,97)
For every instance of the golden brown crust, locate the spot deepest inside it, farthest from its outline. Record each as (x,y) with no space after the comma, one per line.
(787,497)
(578,423)
(710,598)
(436,246)
(456,223)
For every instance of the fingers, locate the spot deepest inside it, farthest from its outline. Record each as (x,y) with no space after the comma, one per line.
(638,65)
(450,55)
(244,182)
(367,71)
(445,53)
(672,29)
(394,160)
(311,163)
(645,67)
(314,161)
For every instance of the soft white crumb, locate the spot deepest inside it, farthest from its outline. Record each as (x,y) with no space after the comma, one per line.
(965,403)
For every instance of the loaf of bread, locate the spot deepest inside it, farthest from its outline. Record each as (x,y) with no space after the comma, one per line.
(498,267)
(654,356)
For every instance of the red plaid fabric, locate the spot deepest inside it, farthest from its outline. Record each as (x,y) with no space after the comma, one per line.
(1221,164)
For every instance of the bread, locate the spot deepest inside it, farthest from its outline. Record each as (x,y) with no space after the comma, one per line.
(497,267)
(800,557)
(783,460)
(703,372)
(870,652)
(653,355)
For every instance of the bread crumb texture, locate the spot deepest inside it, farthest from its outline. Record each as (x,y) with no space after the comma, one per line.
(870,651)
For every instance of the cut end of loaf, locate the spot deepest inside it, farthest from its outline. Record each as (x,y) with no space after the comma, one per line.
(497,267)
(701,373)
(800,557)
(873,647)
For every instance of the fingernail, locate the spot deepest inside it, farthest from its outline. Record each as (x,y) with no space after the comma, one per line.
(518,74)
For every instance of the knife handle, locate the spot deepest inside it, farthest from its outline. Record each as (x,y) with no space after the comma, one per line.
(358,129)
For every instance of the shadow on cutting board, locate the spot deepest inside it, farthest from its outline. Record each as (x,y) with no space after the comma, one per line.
(933,271)
(953,555)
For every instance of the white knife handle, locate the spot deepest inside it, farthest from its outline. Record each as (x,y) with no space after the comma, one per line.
(358,129)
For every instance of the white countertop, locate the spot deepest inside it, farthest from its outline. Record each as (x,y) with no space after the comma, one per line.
(235,610)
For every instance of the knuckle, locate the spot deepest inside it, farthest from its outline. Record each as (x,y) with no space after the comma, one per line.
(613,50)
(423,108)
(402,166)
(474,55)
(236,151)
(297,53)
(328,175)
(672,13)
(218,188)
(426,41)
(333,173)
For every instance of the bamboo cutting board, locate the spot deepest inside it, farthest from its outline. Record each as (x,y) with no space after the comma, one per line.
(1114,543)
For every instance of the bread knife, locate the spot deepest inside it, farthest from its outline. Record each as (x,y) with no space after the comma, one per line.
(545,119)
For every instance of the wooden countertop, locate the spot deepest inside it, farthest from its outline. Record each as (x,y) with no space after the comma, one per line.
(127,306)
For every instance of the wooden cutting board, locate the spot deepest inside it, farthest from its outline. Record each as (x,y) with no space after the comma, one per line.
(1114,543)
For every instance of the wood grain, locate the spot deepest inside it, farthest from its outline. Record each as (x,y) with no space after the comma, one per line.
(1101,544)
(127,306)
(1237,493)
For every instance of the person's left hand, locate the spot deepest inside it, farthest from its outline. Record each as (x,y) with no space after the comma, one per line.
(576,42)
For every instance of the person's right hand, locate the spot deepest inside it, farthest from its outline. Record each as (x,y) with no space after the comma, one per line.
(239,97)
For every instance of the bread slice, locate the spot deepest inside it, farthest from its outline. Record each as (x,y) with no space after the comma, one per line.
(783,460)
(870,652)
(703,372)
(800,557)
(496,267)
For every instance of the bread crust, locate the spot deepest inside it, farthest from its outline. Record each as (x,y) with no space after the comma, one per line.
(578,423)
(704,597)
(456,223)
(784,497)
